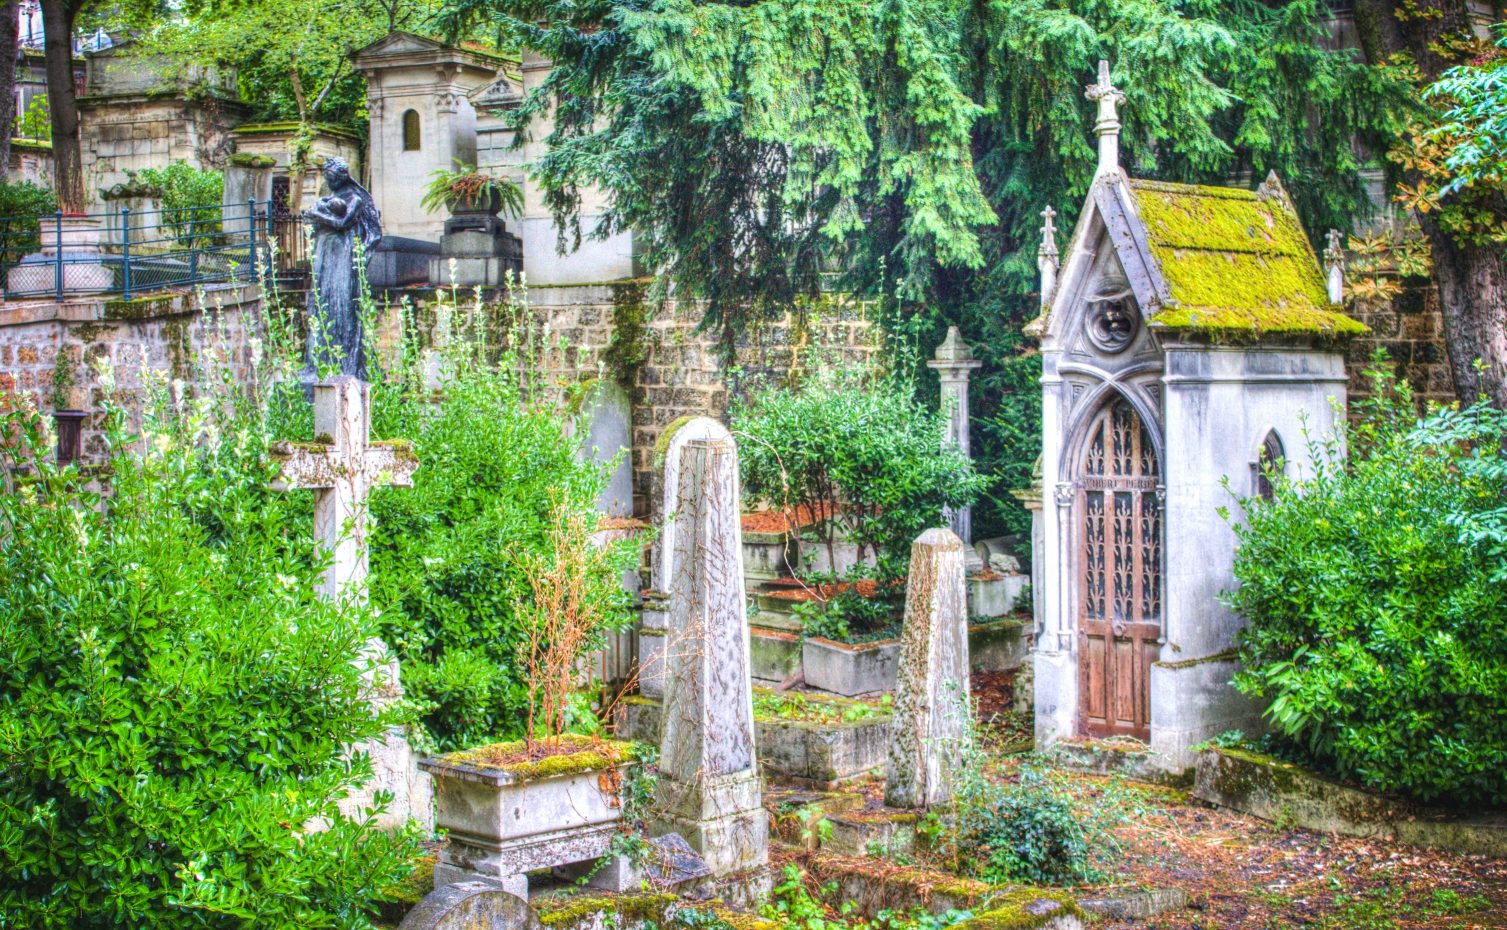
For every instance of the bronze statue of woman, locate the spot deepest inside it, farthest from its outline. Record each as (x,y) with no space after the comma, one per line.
(345,218)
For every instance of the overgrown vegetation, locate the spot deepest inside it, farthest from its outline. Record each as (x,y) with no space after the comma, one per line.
(855,449)
(177,698)
(191,199)
(23,205)
(1375,605)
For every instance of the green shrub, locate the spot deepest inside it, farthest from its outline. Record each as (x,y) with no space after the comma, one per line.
(449,554)
(175,696)
(191,198)
(1376,613)
(860,439)
(23,204)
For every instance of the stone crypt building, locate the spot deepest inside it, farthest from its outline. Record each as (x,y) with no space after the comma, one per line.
(1189,341)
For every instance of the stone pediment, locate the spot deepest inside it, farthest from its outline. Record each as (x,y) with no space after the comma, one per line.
(398,49)
(503,93)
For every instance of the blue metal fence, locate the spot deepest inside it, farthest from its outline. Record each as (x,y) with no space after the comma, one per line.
(127,252)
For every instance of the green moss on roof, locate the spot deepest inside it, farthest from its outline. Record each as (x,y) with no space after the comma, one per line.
(1234,262)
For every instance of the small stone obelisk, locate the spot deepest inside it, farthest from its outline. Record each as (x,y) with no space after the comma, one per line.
(931,697)
(709,788)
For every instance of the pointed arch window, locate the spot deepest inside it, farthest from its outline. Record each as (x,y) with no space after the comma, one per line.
(411,137)
(1270,462)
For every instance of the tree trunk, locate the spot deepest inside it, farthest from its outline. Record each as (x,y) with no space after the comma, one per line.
(1472,280)
(10,26)
(62,101)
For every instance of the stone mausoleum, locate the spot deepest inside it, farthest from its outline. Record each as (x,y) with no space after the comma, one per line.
(1188,343)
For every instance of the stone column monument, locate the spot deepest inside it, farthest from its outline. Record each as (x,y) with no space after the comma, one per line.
(953,363)
(709,788)
(931,696)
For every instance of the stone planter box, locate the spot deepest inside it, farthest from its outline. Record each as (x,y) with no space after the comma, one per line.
(818,755)
(506,820)
(774,655)
(1274,790)
(994,595)
(850,671)
(996,645)
(767,556)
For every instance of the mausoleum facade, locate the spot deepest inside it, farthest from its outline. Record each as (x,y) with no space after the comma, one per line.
(1189,342)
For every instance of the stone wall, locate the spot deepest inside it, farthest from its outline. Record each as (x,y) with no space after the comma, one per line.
(50,352)
(1411,329)
(672,370)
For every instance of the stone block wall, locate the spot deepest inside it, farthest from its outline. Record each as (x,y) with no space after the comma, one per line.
(671,368)
(50,352)
(1411,329)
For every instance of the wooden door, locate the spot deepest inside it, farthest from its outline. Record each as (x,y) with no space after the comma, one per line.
(1119,525)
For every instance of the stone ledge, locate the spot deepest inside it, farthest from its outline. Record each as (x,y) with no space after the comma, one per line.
(1282,792)
(112,308)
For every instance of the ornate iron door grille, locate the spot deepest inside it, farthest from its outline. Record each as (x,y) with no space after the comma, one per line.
(1119,521)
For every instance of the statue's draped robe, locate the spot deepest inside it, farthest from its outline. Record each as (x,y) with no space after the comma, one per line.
(335,343)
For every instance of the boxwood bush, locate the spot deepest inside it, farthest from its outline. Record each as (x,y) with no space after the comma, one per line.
(175,698)
(1375,602)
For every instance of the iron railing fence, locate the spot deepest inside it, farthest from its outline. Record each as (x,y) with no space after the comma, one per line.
(127,252)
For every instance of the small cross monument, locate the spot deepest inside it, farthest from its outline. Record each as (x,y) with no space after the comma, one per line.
(341,467)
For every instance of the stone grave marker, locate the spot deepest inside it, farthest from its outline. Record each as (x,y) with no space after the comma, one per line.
(471,905)
(654,627)
(341,467)
(709,788)
(931,696)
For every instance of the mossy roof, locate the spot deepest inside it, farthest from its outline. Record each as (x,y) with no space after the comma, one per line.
(1234,261)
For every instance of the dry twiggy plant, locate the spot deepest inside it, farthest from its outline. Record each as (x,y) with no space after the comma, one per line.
(568,618)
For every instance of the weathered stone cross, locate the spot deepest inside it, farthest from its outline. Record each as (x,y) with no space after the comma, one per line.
(341,467)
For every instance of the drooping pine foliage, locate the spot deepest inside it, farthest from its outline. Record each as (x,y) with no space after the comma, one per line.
(763,150)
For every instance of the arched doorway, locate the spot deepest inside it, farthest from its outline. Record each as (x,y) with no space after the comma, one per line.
(1118,521)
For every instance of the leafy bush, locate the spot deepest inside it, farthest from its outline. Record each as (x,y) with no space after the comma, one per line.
(175,696)
(22,205)
(191,198)
(450,555)
(863,441)
(1026,831)
(1375,605)
(36,121)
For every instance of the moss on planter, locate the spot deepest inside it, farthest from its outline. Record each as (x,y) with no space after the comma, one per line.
(580,754)
(558,912)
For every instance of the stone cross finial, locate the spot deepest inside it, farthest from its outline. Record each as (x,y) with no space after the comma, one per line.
(1107,126)
(341,467)
(709,789)
(1334,264)
(1046,256)
(931,694)
(953,363)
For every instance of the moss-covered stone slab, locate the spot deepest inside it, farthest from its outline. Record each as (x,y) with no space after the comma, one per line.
(881,832)
(1134,903)
(996,645)
(796,815)
(873,885)
(1129,759)
(1028,909)
(774,655)
(1285,793)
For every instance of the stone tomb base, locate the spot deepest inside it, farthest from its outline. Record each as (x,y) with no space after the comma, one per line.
(723,818)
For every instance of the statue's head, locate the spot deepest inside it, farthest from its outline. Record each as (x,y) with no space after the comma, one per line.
(336,172)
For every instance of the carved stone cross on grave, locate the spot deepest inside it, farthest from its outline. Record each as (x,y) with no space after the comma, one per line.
(341,467)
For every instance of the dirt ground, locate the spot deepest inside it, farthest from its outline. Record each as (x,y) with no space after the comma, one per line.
(1245,874)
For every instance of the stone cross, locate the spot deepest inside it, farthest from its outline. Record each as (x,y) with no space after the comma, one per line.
(931,694)
(953,363)
(709,789)
(341,467)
